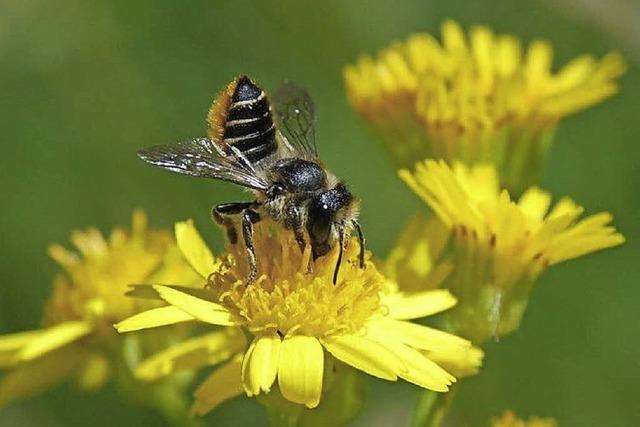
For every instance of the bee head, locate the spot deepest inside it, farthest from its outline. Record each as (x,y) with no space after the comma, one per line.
(328,209)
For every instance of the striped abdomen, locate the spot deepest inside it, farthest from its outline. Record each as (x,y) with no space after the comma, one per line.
(241,117)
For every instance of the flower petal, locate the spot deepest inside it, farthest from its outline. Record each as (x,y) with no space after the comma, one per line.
(153,318)
(146,291)
(203,310)
(223,384)
(420,370)
(364,354)
(260,364)
(418,336)
(191,354)
(10,345)
(535,203)
(194,249)
(17,340)
(36,376)
(461,363)
(300,370)
(419,304)
(52,338)
(94,373)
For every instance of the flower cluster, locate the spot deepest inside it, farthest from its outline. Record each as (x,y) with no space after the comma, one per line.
(509,419)
(501,246)
(77,339)
(298,322)
(468,121)
(481,98)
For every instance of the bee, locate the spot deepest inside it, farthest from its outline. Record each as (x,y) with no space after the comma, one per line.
(268,147)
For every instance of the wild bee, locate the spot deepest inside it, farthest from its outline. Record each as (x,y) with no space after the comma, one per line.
(268,148)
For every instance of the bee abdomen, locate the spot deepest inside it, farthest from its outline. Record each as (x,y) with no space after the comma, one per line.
(249,123)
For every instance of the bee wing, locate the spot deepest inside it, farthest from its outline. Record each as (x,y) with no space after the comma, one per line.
(202,158)
(296,118)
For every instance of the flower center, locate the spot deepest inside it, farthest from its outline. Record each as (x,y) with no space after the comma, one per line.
(292,295)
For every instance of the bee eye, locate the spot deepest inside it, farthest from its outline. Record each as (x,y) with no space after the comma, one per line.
(325,206)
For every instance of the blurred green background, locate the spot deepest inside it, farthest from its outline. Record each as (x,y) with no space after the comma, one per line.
(86,83)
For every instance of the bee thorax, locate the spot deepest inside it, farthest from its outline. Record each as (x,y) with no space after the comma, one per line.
(299,176)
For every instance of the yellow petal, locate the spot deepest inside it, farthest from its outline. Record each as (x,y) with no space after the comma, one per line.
(538,61)
(175,269)
(146,291)
(223,384)
(95,372)
(194,249)
(260,364)
(414,261)
(17,340)
(38,375)
(418,336)
(453,37)
(535,203)
(206,311)
(419,304)
(153,318)
(300,370)
(139,222)
(461,363)
(10,346)
(53,338)
(510,419)
(420,370)
(365,354)
(192,354)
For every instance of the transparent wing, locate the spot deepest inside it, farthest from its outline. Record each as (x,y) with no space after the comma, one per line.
(296,118)
(202,158)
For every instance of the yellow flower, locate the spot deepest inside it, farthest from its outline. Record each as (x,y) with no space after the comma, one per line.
(292,317)
(509,419)
(481,98)
(501,246)
(416,263)
(88,297)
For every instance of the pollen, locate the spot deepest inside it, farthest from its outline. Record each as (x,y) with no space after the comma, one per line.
(294,296)
(217,115)
(298,321)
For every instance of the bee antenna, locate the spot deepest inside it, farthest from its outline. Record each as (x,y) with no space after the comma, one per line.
(362,241)
(340,251)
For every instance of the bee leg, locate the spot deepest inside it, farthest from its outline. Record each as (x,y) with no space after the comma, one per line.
(340,251)
(250,217)
(295,219)
(361,240)
(295,222)
(310,265)
(221,213)
(299,234)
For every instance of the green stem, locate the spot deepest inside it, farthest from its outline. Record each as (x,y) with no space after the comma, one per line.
(280,411)
(167,396)
(282,418)
(171,403)
(432,408)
